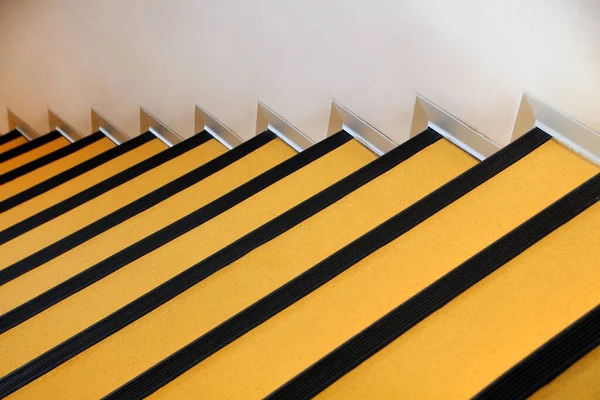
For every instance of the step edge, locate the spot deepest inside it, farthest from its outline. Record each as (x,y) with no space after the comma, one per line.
(110,130)
(203,120)
(267,119)
(149,123)
(533,112)
(57,123)
(427,114)
(16,123)
(341,118)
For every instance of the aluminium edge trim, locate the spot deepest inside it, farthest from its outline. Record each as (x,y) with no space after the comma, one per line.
(149,122)
(101,124)
(205,121)
(267,119)
(426,114)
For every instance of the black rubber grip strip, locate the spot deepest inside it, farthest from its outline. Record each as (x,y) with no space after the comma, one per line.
(12,135)
(25,147)
(188,278)
(75,171)
(108,184)
(114,322)
(107,222)
(51,157)
(549,361)
(281,298)
(381,333)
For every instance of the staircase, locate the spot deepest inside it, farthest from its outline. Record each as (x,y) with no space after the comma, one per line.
(218,269)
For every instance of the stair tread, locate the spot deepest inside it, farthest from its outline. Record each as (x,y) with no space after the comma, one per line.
(356,298)
(30,151)
(149,221)
(178,254)
(495,323)
(128,224)
(580,381)
(421,272)
(115,182)
(64,163)
(247,279)
(11,140)
(58,228)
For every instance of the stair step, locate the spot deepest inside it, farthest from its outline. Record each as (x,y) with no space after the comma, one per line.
(116,191)
(11,140)
(31,151)
(41,169)
(137,217)
(494,324)
(139,271)
(56,159)
(436,161)
(580,377)
(386,267)
(74,180)
(239,212)
(17,248)
(187,193)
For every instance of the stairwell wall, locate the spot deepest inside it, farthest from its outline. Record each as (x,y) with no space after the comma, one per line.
(472,58)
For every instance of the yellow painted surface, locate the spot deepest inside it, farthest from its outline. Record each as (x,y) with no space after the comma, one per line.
(182,320)
(12,144)
(39,175)
(70,188)
(286,344)
(33,154)
(140,276)
(24,288)
(581,381)
(466,345)
(57,324)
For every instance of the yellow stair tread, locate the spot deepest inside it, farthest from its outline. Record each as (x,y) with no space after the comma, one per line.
(475,338)
(78,184)
(33,154)
(291,341)
(580,381)
(12,144)
(141,225)
(77,218)
(175,324)
(100,247)
(39,175)
(136,278)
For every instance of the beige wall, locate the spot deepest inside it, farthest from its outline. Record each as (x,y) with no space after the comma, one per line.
(471,57)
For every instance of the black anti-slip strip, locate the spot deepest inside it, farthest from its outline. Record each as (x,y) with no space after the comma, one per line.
(297,288)
(51,157)
(91,193)
(25,147)
(195,274)
(12,135)
(549,361)
(75,171)
(362,346)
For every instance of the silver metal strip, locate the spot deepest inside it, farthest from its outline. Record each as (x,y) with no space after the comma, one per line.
(204,121)
(57,123)
(341,118)
(427,114)
(149,122)
(14,122)
(267,119)
(99,123)
(533,112)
